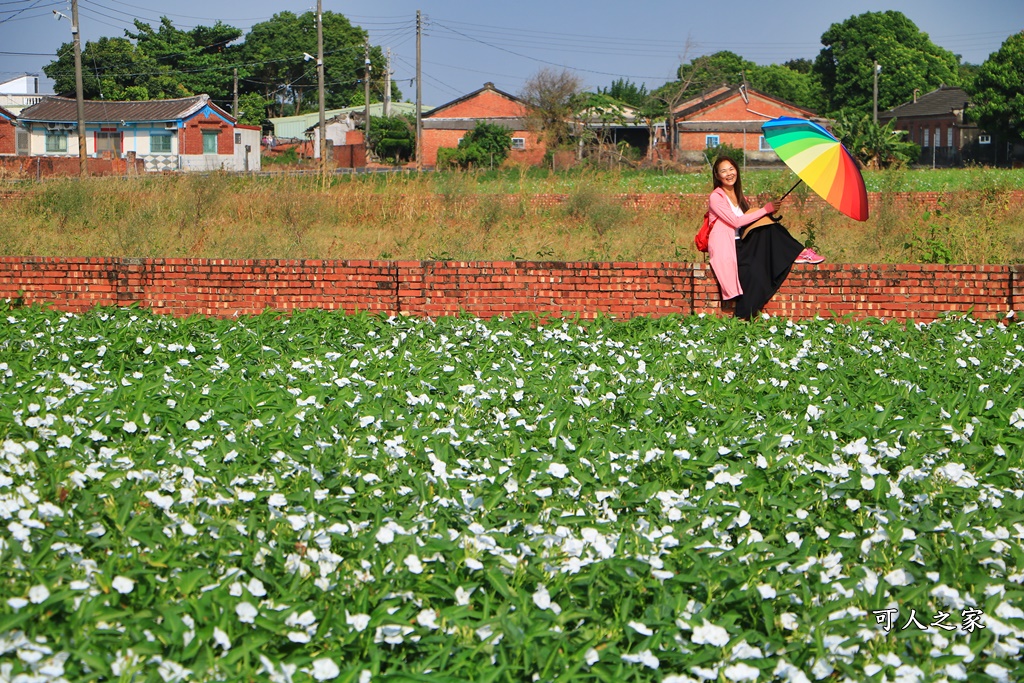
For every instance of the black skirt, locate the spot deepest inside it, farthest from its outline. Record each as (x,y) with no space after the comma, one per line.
(763,258)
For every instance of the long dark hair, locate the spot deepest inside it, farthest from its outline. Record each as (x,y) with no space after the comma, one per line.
(743,204)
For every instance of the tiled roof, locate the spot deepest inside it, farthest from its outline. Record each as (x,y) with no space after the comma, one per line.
(7,115)
(64,110)
(936,103)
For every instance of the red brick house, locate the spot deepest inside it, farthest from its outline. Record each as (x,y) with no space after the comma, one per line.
(935,121)
(444,126)
(8,130)
(729,116)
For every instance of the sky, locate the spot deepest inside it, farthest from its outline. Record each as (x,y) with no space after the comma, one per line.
(469,42)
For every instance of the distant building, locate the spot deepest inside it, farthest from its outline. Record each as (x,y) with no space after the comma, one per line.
(936,122)
(186,134)
(449,123)
(730,116)
(346,126)
(20,92)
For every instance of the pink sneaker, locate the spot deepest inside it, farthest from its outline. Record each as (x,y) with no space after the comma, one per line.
(809,256)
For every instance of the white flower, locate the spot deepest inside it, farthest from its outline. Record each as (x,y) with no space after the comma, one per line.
(298,636)
(122,584)
(385,535)
(192,425)
(542,598)
(899,577)
(591,657)
(246,612)
(325,669)
(427,618)
(414,564)
(38,594)
(256,588)
(646,658)
(557,469)
(366,420)
(709,634)
(787,620)
(16,603)
(462,595)
(767,592)
(221,638)
(642,629)
(741,672)
(358,622)
(130,427)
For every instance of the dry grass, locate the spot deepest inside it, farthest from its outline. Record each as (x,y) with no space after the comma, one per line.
(459,216)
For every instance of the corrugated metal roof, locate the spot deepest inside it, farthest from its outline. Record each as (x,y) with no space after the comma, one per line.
(65,110)
(936,103)
(296,126)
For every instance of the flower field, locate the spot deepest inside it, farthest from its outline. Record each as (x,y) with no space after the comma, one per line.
(322,497)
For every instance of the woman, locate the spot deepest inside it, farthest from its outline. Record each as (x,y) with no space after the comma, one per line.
(749,269)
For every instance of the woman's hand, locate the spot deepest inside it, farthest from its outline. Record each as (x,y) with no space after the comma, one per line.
(769,208)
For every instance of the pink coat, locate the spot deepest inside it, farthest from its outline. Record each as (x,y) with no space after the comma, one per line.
(722,242)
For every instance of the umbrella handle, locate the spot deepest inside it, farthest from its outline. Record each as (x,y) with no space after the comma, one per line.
(790,190)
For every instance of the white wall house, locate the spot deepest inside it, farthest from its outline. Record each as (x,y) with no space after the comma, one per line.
(186,134)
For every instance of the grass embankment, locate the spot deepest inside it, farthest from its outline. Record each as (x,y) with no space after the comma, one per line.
(491,215)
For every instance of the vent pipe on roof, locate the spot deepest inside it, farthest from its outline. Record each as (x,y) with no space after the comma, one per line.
(916,90)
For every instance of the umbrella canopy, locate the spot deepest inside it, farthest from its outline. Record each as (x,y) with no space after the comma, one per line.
(821,161)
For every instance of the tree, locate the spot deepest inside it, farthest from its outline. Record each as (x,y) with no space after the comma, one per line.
(625,90)
(787,84)
(997,102)
(252,109)
(711,71)
(487,145)
(109,66)
(872,144)
(909,60)
(190,62)
(394,137)
(550,95)
(275,49)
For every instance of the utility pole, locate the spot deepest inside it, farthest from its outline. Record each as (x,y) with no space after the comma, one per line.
(387,86)
(419,94)
(320,89)
(877,68)
(234,99)
(79,98)
(366,91)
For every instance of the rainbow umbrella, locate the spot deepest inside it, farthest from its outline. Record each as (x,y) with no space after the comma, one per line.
(821,161)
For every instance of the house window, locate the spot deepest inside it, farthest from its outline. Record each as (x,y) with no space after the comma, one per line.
(57,141)
(238,138)
(762,145)
(984,139)
(210,141)
(160,144)
(108,142)
(949,137)
(518,143)
(711,141)
(926,133)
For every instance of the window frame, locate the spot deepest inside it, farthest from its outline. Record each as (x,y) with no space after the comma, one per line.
(215,137)
(709,138)
(521,145)
(162,137)
(55,140)
(763,146)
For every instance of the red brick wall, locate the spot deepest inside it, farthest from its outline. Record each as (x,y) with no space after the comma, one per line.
(485,289)
(7,136)
(46,167)
(191,136)
(487,104)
